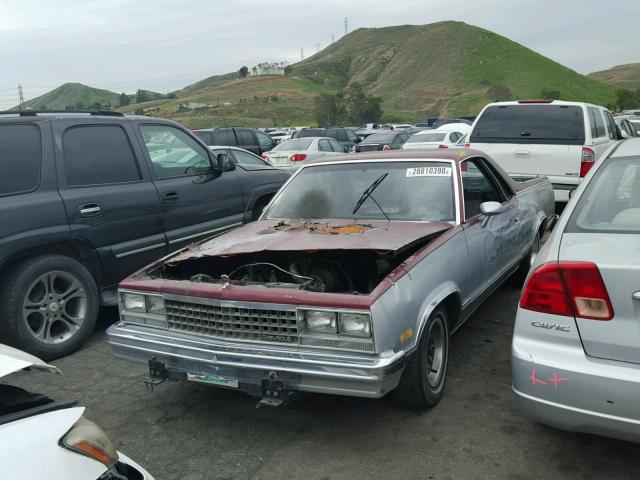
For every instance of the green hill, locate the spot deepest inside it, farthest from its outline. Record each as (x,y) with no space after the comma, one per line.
(446,68)
(72,94)
(208,83)
(621,76)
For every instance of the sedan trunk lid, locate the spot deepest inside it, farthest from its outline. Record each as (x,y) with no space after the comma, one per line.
(618,259)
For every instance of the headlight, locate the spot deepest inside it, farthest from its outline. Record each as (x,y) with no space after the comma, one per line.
(134,302)
(321,322)
(355,324)
(87,438)
(137,302)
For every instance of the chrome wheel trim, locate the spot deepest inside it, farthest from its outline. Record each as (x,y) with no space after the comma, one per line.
(435,352)
(55,307)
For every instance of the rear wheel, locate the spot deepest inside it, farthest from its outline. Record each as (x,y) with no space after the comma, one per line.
(521,273)
(425,374)
(49,306)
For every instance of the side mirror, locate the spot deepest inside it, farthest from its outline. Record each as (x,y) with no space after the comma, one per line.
(226,162)
(490,209)
(620,133)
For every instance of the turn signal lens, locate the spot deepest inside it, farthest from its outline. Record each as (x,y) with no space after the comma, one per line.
(88,439)
(568,289)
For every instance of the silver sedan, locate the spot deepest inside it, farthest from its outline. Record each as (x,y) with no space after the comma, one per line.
(576,344)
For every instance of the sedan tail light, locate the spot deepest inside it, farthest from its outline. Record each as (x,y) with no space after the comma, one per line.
(442,146)
(298,157)
(588,159)
(386,147)
(265,157)
(568,289)
(467,145)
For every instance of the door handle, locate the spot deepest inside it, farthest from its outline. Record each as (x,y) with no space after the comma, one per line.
(516,219)
(170,197)
(89,210)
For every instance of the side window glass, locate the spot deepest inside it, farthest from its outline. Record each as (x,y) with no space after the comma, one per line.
(224,136)
(245,158)
(352,136)
(246,137)
(174,153)
(597,127)
(264,140)
(20,158)
(342,135)
(206,137)
(477,187)
(98,155)
(332,132)
(611,124)
(324,146)
(337,147)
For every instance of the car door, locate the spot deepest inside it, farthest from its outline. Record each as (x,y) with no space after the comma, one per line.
(110,200)
(487,238)
(247,140)
(196,201)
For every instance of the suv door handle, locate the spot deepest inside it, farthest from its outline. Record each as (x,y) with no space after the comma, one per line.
(170,197)
(89,210)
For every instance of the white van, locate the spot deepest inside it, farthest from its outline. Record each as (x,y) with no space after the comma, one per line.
(561,140)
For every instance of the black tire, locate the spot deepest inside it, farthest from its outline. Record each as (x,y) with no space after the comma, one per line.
(520,275)
(258,208)
(415,388)
(28,320)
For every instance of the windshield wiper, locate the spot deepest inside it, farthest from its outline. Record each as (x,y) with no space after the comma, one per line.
(367,193)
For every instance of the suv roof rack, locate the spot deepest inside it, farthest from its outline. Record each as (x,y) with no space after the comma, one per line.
(34,113)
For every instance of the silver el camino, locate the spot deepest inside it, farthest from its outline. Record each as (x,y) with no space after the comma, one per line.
(350,283)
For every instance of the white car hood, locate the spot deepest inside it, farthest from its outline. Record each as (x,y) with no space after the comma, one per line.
(13,360)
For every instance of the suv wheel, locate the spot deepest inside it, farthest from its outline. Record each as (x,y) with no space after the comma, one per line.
(424,375)
(49,306)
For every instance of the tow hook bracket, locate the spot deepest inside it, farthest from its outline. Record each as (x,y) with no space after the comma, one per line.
(157,374)
(273,392)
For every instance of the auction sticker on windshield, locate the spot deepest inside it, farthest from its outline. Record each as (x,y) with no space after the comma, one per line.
(429,172)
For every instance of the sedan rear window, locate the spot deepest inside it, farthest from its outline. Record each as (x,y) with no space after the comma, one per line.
(537,124)
(611,203)
(427,137)
(292,144)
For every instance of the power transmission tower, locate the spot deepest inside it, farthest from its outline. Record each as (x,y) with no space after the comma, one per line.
(346,25)
(21,97)
(301,54)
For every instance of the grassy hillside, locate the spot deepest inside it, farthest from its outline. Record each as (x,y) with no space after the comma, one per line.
(72,94)
(445,67)
(621,76)
(208,83)
(252,101)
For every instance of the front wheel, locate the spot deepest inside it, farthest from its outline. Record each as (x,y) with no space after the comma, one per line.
(424,375)
(48,306)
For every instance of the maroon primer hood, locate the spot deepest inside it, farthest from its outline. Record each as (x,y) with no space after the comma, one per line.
(299,235)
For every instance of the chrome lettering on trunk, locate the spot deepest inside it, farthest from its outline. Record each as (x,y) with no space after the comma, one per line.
(551,326)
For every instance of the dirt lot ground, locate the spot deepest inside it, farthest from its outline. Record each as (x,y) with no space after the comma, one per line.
(190,431)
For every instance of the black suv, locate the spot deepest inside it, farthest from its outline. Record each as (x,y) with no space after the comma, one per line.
(383,140)
(243,137)
(343,135)
(89,198)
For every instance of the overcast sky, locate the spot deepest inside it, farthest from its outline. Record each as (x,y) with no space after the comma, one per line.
(163,45)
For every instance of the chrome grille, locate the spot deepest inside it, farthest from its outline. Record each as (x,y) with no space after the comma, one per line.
(266,325)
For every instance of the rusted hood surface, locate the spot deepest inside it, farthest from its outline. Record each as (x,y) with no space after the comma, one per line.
(297,235)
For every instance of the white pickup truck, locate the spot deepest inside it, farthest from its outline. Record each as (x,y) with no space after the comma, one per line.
(557,139)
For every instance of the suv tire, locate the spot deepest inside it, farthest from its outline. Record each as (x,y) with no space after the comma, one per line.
(48,306)
(425,373)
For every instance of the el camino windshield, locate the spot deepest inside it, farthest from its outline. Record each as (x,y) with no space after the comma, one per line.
(412,191)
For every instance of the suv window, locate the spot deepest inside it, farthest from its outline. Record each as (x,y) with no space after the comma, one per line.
(533,124)
(21,155)
(477,187)
(265,141)
(224,136)
(597,124)
(332,132)
(245,137)
(315,132)
(341,135)
(611,125)
(98,155)
(207,137)
(174,153)
(351,137)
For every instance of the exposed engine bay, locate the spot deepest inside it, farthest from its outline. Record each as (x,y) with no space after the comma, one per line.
(337,271)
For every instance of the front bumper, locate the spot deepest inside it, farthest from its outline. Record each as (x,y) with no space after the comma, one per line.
(249,364)
(557,384)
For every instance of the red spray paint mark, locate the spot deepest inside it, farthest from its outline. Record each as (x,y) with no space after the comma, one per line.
(556,379)
(535,380)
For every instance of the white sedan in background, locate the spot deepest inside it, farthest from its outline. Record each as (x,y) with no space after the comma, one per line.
(42,439)
(292,154)
(430,139)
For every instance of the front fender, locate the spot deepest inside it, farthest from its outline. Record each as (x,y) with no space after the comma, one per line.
(435,298)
